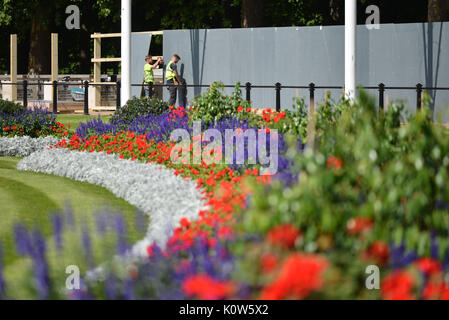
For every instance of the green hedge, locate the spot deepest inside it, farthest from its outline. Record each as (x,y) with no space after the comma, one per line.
(9,107)
(139,107)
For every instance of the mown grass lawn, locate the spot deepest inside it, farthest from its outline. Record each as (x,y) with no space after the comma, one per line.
(32,198)
(75,119)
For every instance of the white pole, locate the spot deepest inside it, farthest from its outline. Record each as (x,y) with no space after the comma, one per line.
(350,48)
(126,51)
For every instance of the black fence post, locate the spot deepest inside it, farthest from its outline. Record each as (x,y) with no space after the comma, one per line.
(25,93)
(86,98)
(248,91)
(381,96)
(118,98)
(278,97)
(419,87)
(312,97)
(55,96)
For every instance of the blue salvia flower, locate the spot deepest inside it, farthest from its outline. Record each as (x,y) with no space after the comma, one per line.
(2,280)
(22,240)
(101,221)
(400,258)
(128,290)
(86,241)
(58,225)
(110,288)
(122,246)
(434,249)
(38,255)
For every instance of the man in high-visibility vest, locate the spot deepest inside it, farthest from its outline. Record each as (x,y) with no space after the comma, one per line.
(149,75)
(172,79)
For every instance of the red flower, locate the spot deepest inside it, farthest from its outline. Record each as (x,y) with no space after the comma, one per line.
(301,274)
(283,236)
(205,287)
(397,286)
(428,266)
(268,262)
(334,163)
(379,252)
(436,291)
(359,225)
(239,109)
(185,223)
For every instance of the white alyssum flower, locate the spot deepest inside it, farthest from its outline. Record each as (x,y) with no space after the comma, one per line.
(153,189)
(24,145)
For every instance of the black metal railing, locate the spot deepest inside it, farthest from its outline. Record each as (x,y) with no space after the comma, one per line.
(311,88)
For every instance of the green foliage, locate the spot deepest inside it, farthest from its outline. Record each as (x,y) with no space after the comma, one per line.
(396,175)
(9,107)
(139,107)
(296,121)
(215,104)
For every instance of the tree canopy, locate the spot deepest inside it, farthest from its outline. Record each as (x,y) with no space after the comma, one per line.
(34,20)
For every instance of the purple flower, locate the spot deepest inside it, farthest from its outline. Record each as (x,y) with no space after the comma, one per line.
(128,290)
(58,225)
(38,255)
(2,280)
(101,220)
(22,240)
(400,258)
(122,246)
(86,241)
(110,288)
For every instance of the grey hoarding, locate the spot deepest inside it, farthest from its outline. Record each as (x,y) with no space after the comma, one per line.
(395,54)
(140,45)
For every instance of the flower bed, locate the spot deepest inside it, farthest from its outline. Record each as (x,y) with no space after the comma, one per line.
(372,193)
(30,122)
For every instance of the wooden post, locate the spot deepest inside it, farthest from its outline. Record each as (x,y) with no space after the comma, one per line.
(97,72)
(54,59)
(13,67)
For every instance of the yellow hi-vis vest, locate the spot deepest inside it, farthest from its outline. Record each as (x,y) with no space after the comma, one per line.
(149,74)
(169,74)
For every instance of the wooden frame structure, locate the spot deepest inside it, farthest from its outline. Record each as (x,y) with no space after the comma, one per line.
(13,63)
(13,67)
(97,60)
(54,59)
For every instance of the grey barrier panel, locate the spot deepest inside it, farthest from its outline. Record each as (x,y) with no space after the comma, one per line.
(140,47)
(396,54)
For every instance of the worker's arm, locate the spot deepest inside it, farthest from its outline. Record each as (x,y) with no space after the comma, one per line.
(178,80)
(155,65)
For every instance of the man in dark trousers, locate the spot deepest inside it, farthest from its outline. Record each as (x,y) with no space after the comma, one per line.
(172,79)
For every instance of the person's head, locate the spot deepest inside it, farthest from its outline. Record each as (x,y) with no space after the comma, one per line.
(148,59)
(176,58)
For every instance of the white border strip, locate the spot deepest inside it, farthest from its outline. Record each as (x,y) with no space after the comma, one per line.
(24,145)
